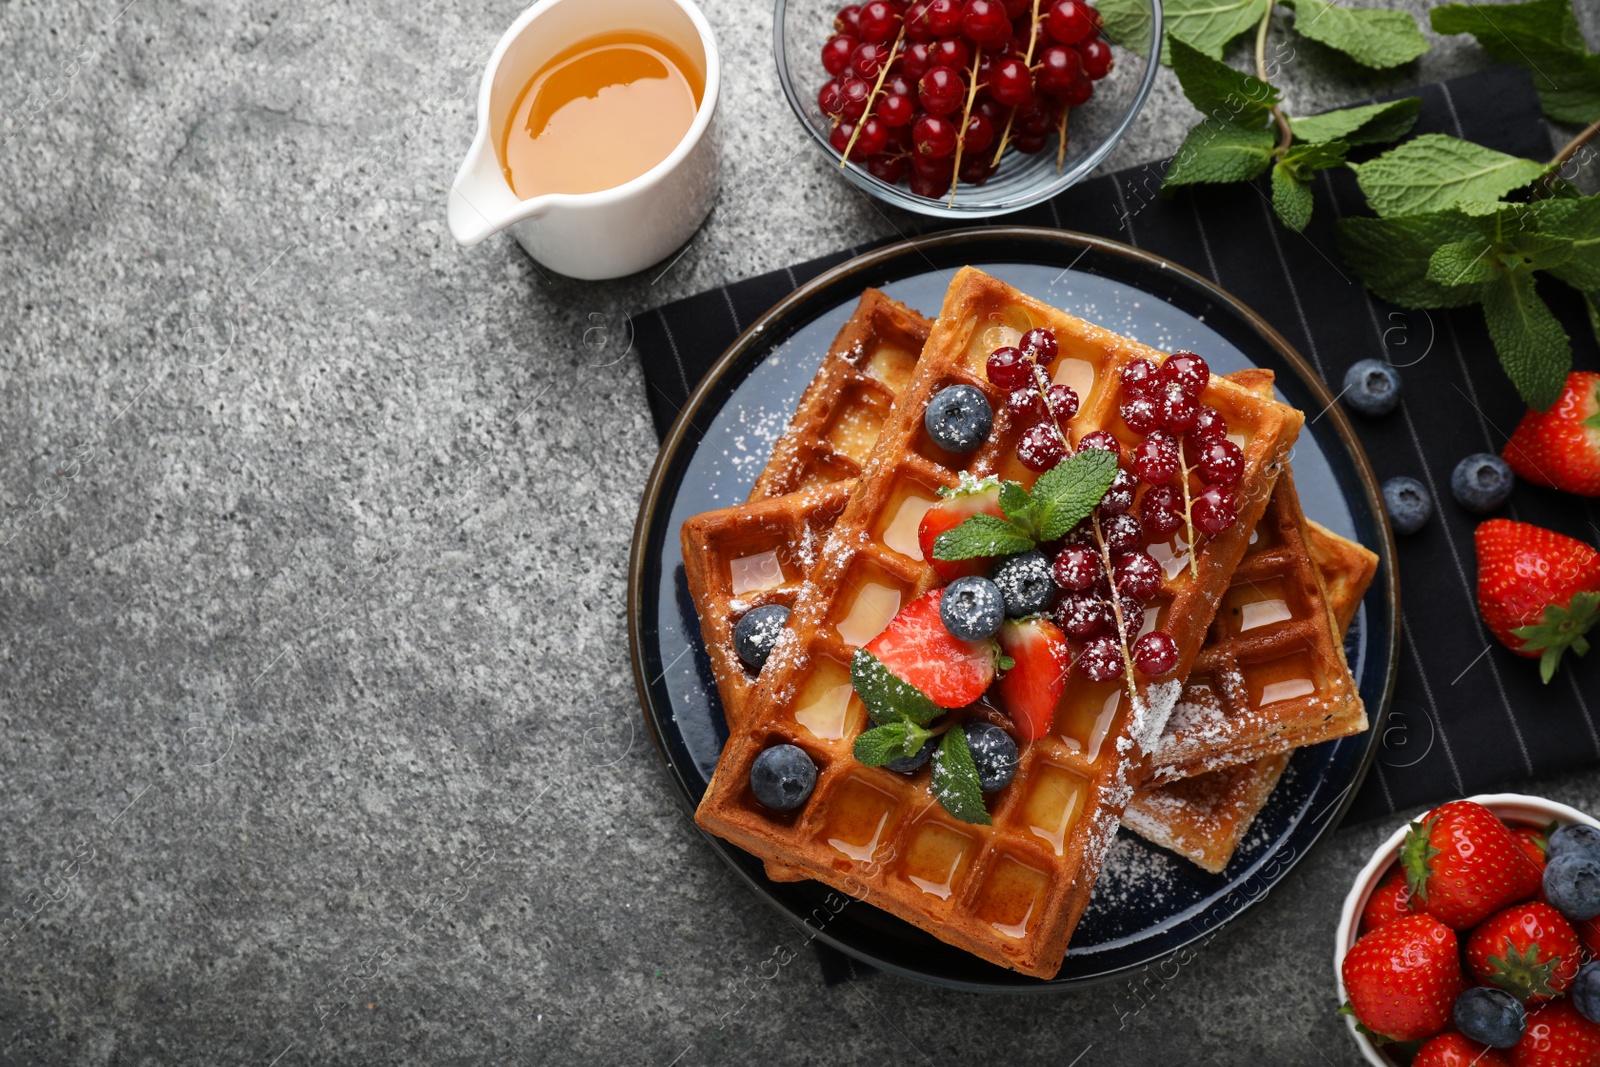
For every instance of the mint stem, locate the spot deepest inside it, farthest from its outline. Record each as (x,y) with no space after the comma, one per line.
(1261,72)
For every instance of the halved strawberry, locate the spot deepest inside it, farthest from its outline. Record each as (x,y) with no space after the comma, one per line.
(1031,689)
(974,496)
(918,650)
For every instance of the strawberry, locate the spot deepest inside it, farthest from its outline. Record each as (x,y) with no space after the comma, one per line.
(973,496)
(1560,448)
(1030,690)
(1538,591)
(917,649)
(1589,934)
(1388,902)
(1557,1036)
(1453,1050)
(1529,950)
(1534,842)
(1463,865)
(1403,979)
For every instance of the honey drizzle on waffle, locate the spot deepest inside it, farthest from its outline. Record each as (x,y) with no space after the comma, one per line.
(1012,895)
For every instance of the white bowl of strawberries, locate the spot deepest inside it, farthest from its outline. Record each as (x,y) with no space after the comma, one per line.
(1472,936)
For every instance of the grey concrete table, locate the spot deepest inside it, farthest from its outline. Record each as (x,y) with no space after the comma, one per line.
(317,738)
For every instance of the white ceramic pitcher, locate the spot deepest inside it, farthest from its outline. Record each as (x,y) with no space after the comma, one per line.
(613,232)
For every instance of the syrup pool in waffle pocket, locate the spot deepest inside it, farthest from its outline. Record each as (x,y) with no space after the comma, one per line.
(988,884)
(752,556)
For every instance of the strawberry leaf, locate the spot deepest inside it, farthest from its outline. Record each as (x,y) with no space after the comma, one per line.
(980,536)
(1522,973)
(891,741)
(955,779)
(1560,629)
(887,698)
(1416,856)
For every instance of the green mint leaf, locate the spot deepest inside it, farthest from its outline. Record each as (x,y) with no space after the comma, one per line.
(955,779)
(887,698)
(1372,124)
(1391,257)
(1291,198)
(1462,263)
(981,536)
(1217,152)
(1591,304)
(1579,222)
(1016,504)
(1543,38)
(891,741)
(1220,92)
(1434,172)
(1209,25)
(1302,159)
(1533,348)
(1374,37)
(1125,23)
(1067,493)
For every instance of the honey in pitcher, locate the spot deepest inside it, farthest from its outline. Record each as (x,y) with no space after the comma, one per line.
(600,114)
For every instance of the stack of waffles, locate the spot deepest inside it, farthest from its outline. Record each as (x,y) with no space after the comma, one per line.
(1186,759)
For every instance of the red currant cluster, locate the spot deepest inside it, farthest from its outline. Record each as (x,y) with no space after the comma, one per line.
(932,91)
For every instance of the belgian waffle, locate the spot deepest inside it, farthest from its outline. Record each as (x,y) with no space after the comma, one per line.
(1205,817)
(1013,892)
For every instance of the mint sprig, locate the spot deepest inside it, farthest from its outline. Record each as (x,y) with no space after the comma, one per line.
(1435,172)
(1369,124)
(1064,496)
(1372,36)
(955,779)
(887,698)
(889,742)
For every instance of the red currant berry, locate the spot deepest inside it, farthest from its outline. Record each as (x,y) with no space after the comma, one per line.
(994,112)
(1122,533)
(976,168)
(1161,511)
(940,90)
(830,98)
(1155,459)
(1063,401)
(935,137)
(837,52)
(1101,660)
(896,110)
(1041,342)
(950,52)
(1188,370)
(944,17)
(1208,425)
(1026,405)
(1009,368)
(873,138)
(930,186)
(942,169)
(1140,413)
(848,20)
(1082,536)
(1040,447)
(867,60)
(1069,21)
(1119,497)
(1102,441)
(1138,574)
(1214,511)
(1078,93)
(1015,9)
(1138,377)
(1011,82)
(914,61)
(916,20)
(1035,118)
(1097,58)
(979,135)
(891,169)
(1178,408)
(1155,654)
(1030,144)
(855,94)
(984,22)
(840,136)
(1059,68)
(1221,463)
(879,21)
(1077,567)
(1084,615)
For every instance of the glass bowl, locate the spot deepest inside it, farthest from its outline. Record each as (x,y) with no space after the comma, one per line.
(800,27)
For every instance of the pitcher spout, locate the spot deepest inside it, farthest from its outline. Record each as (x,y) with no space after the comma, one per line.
(481,201)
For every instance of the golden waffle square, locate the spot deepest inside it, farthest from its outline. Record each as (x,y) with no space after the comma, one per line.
(1205,817)
(1012,892)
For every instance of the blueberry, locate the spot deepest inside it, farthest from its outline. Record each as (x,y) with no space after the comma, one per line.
(958,418)
(912,764)
(995,754)
(757,632)
(782,777)
(1410,506)
(1026,583)
(1490,1016)
(1574,839)
(972,608)
(1481,482)
(1586,991)
(1372,387)
(1572,886)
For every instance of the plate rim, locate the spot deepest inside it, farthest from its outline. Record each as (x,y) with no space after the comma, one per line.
(757,333)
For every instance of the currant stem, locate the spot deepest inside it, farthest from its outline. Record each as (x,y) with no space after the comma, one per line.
(1033,38)
(1061,149)
(1116,607)
(1261,72)
(877,89)
(966,115)
(1188,518)
(1042,384)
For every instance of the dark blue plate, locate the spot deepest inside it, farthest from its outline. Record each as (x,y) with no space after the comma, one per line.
(1147,902)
